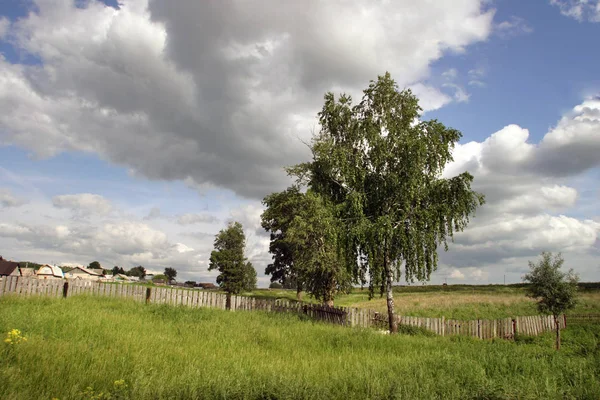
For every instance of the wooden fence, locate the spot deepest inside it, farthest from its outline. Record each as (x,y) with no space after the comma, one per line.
(347,316)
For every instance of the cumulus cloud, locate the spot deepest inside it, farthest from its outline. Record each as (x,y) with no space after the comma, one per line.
(83,204)
(430,98)
(456,274)
(125,243)
(581,10)
(214,94)
(7,199)
(527,192)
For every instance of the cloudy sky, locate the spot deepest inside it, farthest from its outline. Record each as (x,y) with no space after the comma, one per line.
(131,132)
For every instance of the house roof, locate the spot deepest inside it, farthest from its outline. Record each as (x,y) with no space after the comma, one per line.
(50,270)
(7,267)
(88,271)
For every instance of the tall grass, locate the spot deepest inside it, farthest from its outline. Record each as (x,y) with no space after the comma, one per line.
(456,302)
(164,352)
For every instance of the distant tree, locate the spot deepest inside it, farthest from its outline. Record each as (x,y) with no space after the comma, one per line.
(160,277)
(170,273)
(95,265)
(379,164)
(554,290)
(191,283)
(27,264)
(138,271)
(249,277)
(275,285)
(236,274)
(117,270)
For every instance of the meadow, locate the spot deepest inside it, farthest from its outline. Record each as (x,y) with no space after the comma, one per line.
(85,347)
(453,301)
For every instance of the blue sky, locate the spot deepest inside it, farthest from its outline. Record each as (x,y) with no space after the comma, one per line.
(133,134)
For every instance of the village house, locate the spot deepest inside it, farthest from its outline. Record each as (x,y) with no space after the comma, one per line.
(27,272)
(50,272)
(85,273)
(9,268)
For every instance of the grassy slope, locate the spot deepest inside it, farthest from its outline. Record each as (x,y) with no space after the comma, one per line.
(458,302)
(167,352)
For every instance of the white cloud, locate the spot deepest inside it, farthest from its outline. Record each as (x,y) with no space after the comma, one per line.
(4,26)
(581,10)
(512,27)
(7,199)
(83,204)
(476,76)
(430,98)
(189,219)
(456,274)
(218,95)
(525,185)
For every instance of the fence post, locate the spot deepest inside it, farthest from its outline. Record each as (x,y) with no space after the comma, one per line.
(228,301)
(65,289)
(514,327)
(148,294)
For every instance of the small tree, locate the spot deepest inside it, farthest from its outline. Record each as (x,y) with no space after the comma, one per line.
(304,233)
(138,271)
(236,273)
(555,290)
(117,270)
(95,265)
(170,273)
(160,277)
(281,207)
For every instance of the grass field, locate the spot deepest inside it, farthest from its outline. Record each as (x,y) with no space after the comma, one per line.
(457,302)
(159,352)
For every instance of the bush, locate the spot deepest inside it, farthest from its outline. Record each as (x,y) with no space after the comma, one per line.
(275,285)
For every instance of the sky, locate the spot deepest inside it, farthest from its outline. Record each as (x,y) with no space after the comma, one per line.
(131,132)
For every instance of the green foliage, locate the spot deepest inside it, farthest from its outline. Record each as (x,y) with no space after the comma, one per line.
(95,265)
(275,285)
(236,273)
(314,234)
(304,243)
(138,271)
(117,270)
(160,277)
(27,264)
(190,283)
(170,273)
(169,352)
(281,207)
(381,165)
(554,290)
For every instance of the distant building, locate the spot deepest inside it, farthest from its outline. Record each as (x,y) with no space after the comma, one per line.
(49,272)
(9,268)
(205,285)
(27,272)
(84,273)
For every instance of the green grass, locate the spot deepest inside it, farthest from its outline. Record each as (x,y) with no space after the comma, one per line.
(164,352)
(454,301)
